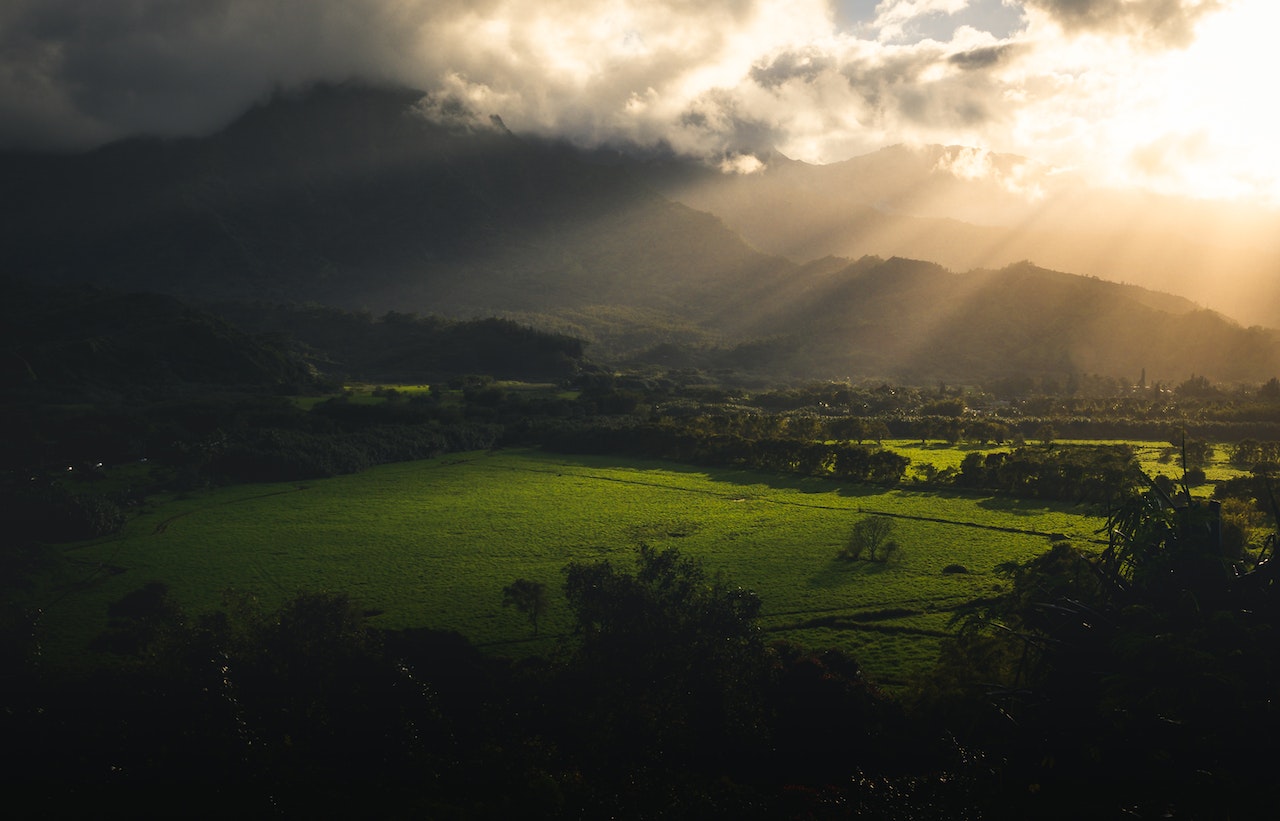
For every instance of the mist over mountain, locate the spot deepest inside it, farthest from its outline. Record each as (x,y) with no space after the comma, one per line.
(348,195)
(379,198)
(924,323)
(966,208)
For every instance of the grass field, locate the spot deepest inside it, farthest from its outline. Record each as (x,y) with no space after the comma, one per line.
(433,543)
(1154,457)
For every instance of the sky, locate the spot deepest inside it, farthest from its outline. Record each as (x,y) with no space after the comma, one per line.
(1172,96)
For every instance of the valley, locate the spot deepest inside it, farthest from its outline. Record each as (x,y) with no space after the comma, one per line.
(362,452)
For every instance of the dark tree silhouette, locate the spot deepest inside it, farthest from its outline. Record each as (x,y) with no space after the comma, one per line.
(1145,670)
(529,597)
(870,539)
(671,668)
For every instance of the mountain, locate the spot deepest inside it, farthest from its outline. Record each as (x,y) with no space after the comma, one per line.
(921,322)
(969,209)
(398,347)
(361,197)
(355,196)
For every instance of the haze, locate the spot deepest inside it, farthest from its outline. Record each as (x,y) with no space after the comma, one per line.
(1052,100)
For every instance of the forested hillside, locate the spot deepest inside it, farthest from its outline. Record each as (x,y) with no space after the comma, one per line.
(923,323)
(360,197)
(82,341)
(966,208)
(382,200)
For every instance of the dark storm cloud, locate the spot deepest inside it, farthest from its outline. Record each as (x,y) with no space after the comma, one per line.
(803,65)
(1162,23)
(719,121)
(710,78)
(76,72)
(900,90)
(980,58)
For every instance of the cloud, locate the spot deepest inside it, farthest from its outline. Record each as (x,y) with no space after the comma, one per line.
(741,164)
(984,57)
(805,64)
(1159,23)
(894,18)
(1014,175)
(719,79)
(722,79)
(114,67)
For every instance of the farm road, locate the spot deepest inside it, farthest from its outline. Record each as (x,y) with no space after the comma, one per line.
(869,511)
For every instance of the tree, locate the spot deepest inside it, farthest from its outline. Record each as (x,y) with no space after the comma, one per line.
(1195,453)
(670,667)
(1147,669)
(870,538)
(529,597)
(1196,386)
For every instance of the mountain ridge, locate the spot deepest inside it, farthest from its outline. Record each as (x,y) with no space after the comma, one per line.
(968,209)
(380,198)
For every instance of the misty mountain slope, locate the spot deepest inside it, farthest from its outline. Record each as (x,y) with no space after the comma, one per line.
(917,321)
(966,209)
(349,195)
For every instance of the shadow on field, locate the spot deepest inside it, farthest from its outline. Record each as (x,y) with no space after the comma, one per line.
(729,476)
(837,573)
(1019,507)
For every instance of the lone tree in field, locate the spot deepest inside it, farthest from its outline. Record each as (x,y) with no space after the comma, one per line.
(529,597)
(870,540)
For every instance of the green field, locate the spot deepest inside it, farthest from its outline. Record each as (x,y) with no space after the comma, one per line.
(1153,457)
(433,543)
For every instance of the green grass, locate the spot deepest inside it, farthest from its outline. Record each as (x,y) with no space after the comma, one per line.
(433,543)
(941,455)
(1161,457)
(1153,457)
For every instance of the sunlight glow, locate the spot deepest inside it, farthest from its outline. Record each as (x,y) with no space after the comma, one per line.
(1197,122)
(1220,111)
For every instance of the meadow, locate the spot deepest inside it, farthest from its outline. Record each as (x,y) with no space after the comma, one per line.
(432,544)
(1153,457)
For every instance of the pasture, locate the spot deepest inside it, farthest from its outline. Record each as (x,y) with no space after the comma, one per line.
(432,544)
(1153,457)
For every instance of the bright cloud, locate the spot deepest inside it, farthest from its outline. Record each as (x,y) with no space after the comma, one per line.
(1167,94)
(894,16)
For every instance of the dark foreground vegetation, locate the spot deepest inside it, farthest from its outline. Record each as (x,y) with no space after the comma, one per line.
(1133,681)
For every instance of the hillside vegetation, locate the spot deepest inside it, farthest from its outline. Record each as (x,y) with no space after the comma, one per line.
(378,199)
